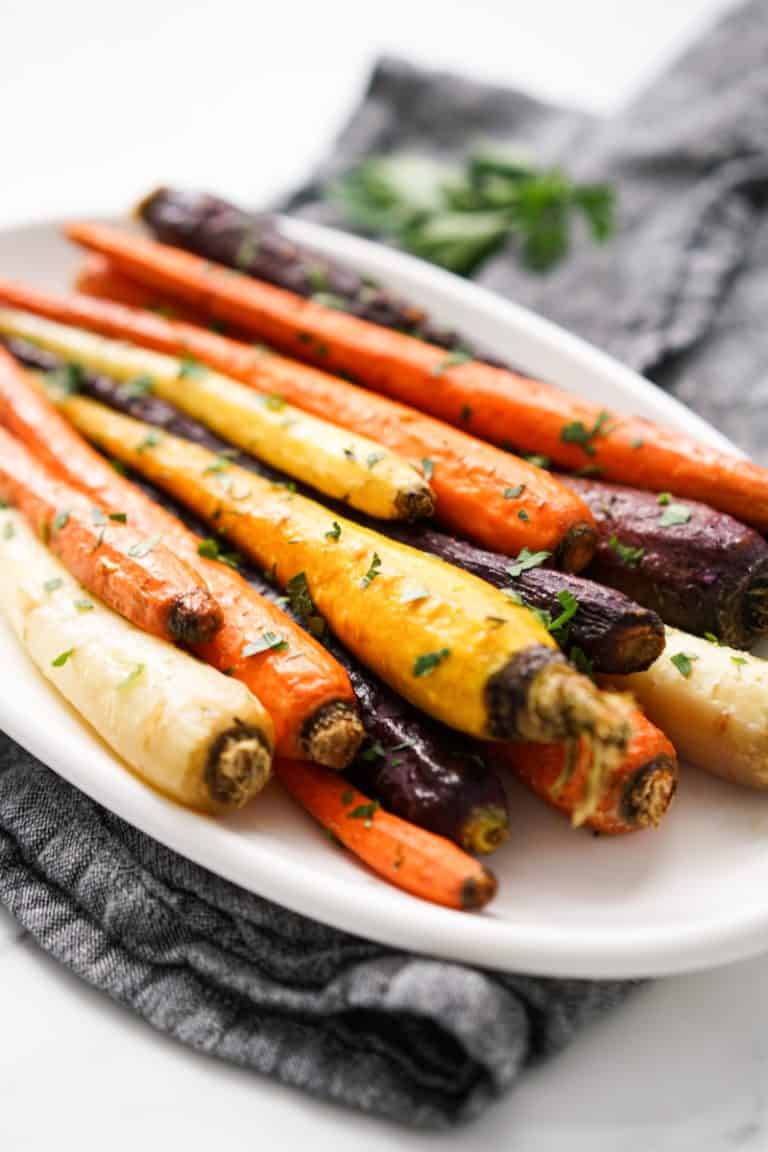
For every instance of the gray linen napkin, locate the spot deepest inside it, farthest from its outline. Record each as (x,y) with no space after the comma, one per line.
(678,292)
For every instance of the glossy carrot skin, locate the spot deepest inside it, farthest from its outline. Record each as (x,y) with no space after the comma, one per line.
(505,407)
(473,481)
(411,858)
(650,760)
(152,588)
(295,684)
(96,277)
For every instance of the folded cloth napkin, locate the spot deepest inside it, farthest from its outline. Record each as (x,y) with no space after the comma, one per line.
(678,292)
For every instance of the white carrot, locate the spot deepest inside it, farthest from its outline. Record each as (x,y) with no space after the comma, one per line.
(191,732)
(712,702)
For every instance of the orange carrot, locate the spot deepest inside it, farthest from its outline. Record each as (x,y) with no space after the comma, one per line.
(484,493)
(638,792)
(307,693)
(97,277)
(495,403)
(411,858)
(136,577)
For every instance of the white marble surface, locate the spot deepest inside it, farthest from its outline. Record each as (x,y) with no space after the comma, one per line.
(100,100)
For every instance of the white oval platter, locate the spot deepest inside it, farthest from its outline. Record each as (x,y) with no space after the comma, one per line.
(691,895)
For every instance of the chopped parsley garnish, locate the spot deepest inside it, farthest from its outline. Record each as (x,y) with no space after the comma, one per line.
(373,571)
(496,621)
(513,493)
(738,660)
(347,796)
(119,467)
(537,460)
(267,642)
(451,361)
(428,468)
(466,414)
(630,557)
(349,453)
(637,443)
(190,368)
(247,249)
(212,550)
(674,514)
(523,515)
(52,585)
(67,379)
(119,517)
(417,592)
(580,660)
(317,276)
(712,638)
(577,433)
(133,675)
(331,300)
(138,386)
(525,560)
(84,605)
(365,812)
(60,520)
(373,458)
(514,595)
(151,440)
(62,658)
(570,606)
(664,498)
(144,547)
(8,530)
(301,603)
(274,401)
(373,752)
(425,664)
(335,532)
(684,663)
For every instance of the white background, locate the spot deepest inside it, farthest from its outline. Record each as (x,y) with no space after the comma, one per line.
(101,100)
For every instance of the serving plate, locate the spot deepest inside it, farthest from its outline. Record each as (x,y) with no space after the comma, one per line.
(691,895)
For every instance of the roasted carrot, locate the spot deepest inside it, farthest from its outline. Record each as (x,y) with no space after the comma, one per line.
(148,585)
(330,459)
(494,403)
(97,277)
(482,493)
(466,653)
(411,858)
(637,795)
(305,690)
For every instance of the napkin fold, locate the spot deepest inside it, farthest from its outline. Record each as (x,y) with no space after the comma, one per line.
(679,292)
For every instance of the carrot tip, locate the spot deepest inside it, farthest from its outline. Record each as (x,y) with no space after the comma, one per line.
(239,765)
(649,793)
(478,890)
(333,735)
(194,618)
(485,829)
(415,503)
(577,547)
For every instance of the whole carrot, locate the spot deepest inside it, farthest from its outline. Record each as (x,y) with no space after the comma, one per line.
(97,277)
(136,577)
(494,403)
(408,857)
(637,794)
(483,493)
(307,693)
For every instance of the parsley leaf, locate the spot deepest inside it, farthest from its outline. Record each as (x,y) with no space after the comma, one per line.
(144,547)
(62,658)
(513,493)
(335,531)
(684,663)
(267,642)
(451,361)
(630,557)
(577,433)
(373,571)
(133,675)
(428,468)
(674,514)
(52,585)
(425,664)
(525,560)
(190,368)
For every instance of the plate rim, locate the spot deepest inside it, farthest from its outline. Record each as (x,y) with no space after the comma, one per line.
(484,939)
